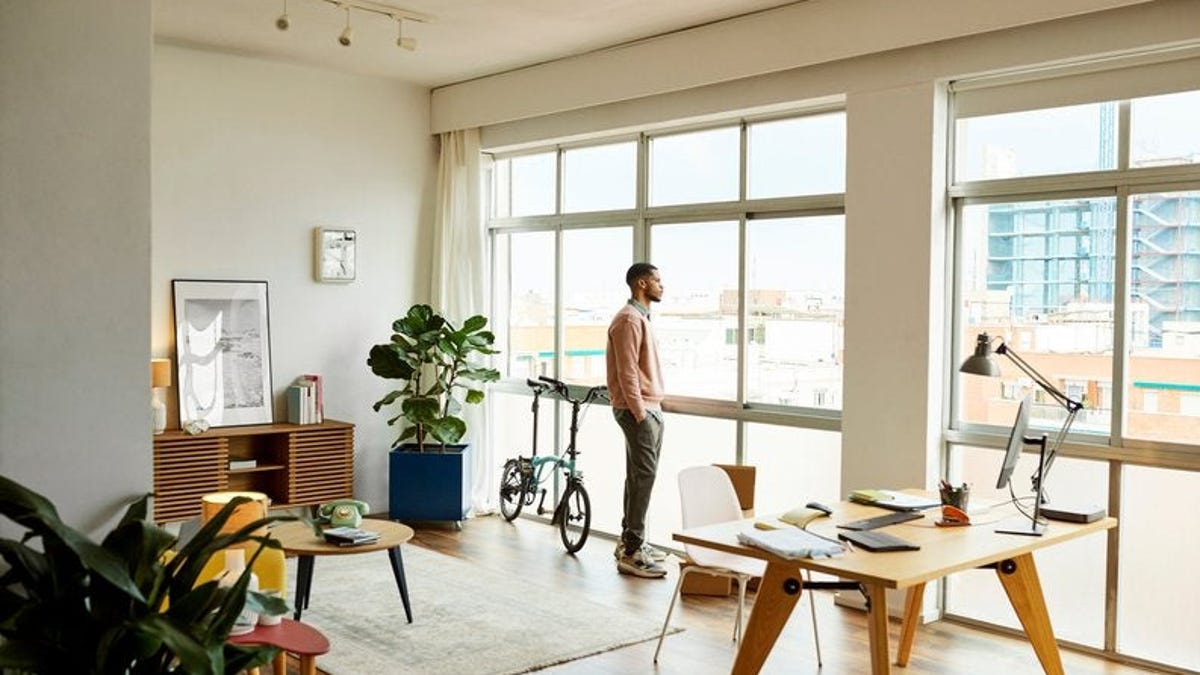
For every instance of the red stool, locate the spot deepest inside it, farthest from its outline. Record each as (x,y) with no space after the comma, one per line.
(293,637)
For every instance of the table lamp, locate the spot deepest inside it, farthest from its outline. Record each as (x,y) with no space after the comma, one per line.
(160,378)
(244,514)
(982,363)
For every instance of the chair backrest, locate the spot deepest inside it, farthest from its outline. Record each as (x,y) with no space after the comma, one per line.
(706,496)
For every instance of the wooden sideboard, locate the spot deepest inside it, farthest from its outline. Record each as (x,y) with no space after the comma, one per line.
(294,465)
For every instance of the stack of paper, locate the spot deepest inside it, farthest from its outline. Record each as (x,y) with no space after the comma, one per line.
(792,543)
(350,536)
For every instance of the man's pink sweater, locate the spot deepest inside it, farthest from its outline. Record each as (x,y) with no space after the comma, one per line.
(635,380)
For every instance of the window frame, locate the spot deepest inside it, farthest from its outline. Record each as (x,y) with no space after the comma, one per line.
(644,217)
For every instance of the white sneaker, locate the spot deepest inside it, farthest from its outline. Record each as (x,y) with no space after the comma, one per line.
(639,565)
(649,551)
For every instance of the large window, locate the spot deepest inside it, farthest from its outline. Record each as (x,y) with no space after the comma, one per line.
(744,221)
(1077,235)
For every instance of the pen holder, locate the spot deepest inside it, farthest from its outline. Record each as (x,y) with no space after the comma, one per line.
(955,496)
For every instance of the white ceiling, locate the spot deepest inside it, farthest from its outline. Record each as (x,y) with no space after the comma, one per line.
(466,39)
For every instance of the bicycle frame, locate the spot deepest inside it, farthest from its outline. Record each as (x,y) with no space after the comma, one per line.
(522,477)
(539,471)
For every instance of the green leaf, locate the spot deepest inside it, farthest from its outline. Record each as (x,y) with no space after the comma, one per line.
(481,374)
(474,396)
(389,399)
(385,361)
(474,323)
(405,435)
(193,656)
(448,429)
(420,409)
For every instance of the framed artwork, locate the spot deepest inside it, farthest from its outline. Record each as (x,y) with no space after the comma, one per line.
(333,254)
(223,352)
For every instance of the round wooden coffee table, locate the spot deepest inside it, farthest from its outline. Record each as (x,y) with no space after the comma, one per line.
(297,538)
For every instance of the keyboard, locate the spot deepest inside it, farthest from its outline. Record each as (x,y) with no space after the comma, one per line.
(881,521)
(877,541)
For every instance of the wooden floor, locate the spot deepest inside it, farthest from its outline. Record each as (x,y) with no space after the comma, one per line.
(705,646)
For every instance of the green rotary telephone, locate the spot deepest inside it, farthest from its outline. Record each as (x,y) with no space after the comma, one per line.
(343,512)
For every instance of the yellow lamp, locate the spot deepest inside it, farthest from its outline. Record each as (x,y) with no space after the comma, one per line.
(243,515)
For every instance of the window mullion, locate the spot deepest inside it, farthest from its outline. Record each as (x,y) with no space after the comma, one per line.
(1122,272)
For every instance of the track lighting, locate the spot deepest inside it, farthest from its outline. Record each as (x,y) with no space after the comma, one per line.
(283,23)
(404,42)
(348,34)
(383,8)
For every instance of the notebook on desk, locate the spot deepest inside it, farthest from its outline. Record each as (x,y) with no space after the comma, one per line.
(893,500)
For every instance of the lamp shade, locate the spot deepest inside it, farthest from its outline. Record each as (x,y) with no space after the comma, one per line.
(981,362)
(243,515)
(160,373)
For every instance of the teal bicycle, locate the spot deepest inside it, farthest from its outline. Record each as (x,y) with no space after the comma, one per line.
(523,476)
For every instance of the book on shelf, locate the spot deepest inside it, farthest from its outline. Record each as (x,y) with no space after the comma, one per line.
(305,400)
(350,536)
(236,464)
(318,405)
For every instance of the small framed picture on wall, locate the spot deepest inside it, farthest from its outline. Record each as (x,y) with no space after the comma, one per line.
(334,254)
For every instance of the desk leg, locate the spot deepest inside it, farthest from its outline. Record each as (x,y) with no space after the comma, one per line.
(777,595)
(304,574)
(1020,580)
(877,629)
(912,615)
(401,584)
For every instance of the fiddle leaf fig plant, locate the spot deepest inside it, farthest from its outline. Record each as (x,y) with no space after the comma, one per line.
(436,363)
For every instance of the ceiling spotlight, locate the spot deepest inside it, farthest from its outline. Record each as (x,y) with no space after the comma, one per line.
(404,42)
(348,34)
(283,23)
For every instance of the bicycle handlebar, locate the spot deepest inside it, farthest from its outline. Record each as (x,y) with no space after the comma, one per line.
(543,383)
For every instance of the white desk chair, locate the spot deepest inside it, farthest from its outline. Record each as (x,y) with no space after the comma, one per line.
(706,496)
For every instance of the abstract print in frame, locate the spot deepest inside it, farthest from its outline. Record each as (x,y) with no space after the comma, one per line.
(223,352)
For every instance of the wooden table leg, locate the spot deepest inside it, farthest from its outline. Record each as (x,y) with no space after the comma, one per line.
(279,664)
(777,595)
(877,628)
(401,583)
(1020,580)
(912,620)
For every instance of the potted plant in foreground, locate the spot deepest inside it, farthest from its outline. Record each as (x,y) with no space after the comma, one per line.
(129,604)
(429,478)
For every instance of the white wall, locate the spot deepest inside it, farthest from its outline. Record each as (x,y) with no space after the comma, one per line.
(249,157)
(75,252)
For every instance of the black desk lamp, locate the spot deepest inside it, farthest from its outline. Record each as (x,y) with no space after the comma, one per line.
(982,363)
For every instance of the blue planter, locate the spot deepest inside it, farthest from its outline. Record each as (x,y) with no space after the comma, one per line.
(430,485)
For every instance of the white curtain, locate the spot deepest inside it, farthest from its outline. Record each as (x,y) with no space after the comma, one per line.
(460,280)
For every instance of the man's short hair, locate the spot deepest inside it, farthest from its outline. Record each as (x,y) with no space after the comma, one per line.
(637,271)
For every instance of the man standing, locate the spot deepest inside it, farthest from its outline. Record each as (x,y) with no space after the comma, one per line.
(635,386)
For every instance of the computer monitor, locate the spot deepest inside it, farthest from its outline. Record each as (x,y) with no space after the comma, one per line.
(1016,442)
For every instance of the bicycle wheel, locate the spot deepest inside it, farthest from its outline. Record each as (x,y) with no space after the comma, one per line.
(512,490)
(574,516)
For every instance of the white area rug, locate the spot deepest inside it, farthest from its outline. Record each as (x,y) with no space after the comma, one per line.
(466,618)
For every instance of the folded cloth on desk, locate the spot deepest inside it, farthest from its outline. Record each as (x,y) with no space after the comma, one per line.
(792,543)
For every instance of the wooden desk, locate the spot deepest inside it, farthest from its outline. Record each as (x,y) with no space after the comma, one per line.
(943,551)
(297,537)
